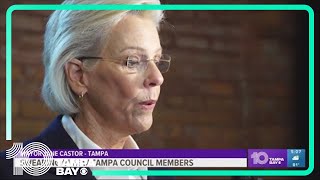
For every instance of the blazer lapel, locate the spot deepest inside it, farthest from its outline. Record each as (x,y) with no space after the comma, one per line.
(55,137)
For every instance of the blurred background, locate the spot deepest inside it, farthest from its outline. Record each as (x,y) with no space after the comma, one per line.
(238,79)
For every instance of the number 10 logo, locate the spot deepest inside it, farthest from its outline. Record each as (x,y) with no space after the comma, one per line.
(256,156)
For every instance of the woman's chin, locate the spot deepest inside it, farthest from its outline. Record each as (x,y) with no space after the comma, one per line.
(142,124)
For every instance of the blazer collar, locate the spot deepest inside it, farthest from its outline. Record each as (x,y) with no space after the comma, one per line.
(55,137)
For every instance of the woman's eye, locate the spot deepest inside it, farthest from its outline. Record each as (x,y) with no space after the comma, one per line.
(133,63)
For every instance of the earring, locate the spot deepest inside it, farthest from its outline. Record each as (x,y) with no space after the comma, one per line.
(81,96)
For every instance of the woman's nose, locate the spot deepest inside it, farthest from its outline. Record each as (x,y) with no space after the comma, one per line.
(153,76)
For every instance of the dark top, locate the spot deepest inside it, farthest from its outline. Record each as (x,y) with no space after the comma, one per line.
(55,137)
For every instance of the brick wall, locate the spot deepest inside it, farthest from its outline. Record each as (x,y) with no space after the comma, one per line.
(233,82)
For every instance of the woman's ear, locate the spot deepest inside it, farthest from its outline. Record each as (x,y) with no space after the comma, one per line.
(75,76)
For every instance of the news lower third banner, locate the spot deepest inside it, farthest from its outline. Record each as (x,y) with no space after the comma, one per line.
(252,158)
(36,159)
(136,158)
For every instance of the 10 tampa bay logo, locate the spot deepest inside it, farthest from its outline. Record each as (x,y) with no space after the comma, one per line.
(29,165)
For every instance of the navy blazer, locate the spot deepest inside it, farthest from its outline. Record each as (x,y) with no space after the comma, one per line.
(55,137)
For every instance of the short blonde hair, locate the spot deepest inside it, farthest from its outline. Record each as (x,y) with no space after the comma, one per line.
(70,34)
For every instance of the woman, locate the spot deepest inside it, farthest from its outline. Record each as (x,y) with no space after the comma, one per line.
(103,75)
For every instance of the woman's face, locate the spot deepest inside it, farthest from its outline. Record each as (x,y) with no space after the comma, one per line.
(125,101)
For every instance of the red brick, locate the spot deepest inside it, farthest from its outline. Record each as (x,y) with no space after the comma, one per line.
(34,72)
(202,97)
(263,73)
(192,42)
(3,19)
(177,88)
(180,15)
(278,104)
(2,58)
(38,13)
(167,36)
(21,22)
(2,71)
(223,104)
(203,29)
(2,87)
(2,108)
(175,101)
(276,111)
(17,73)
(26,91)
(31,57)
(189,103)
(272,89)
(37,2)
(284,136)
(2,97)
(32,109)
(228,138)
(212,117)
(218,88)
(226,46)
(203,73)
(268,20)
(210,62)
(27,41)
(28,128)
(14,108)
(5,144)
